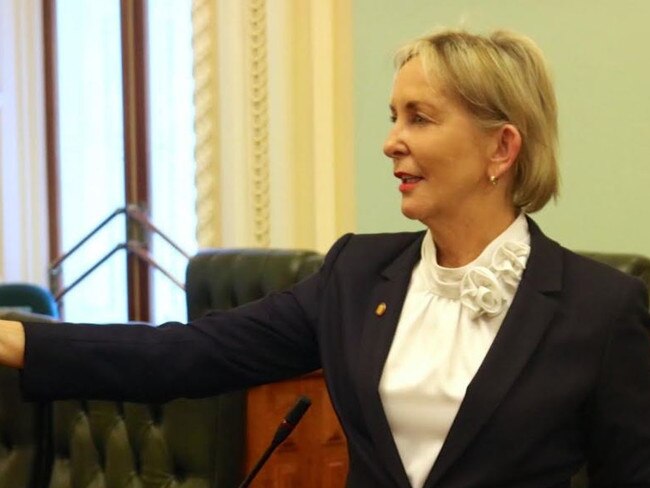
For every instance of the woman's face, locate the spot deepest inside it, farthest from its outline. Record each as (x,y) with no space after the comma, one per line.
(439,153)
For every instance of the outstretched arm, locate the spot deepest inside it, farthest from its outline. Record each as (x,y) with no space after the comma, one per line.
(12,343)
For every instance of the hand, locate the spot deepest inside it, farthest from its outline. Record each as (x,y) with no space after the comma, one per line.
(12,343)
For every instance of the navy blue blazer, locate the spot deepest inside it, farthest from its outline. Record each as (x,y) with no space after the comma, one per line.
(567,379)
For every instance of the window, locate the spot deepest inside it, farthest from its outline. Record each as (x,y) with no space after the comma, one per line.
(171,88)
(108,145)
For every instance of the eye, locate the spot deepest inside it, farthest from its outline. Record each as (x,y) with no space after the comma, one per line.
(419,119)
(392,118)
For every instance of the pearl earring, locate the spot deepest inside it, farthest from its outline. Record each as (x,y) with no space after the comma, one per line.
(494,180)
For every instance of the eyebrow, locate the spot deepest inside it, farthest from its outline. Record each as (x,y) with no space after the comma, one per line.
(412,105)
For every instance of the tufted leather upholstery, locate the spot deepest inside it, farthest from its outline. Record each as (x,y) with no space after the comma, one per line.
(225,278)
(183,443)
(114,444)
(21,434)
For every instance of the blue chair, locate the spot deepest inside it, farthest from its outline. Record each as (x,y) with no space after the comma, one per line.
(27,298)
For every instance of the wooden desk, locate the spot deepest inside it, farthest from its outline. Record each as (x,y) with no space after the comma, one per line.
(314,455)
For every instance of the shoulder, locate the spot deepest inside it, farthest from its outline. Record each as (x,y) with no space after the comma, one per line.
(587,264)
(599,281)
(600,278)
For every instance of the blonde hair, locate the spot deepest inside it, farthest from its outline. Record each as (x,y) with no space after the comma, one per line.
(501,78)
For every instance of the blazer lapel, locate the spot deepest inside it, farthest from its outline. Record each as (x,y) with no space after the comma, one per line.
(531,311)
(377,336)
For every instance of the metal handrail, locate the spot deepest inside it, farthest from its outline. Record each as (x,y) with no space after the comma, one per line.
(134,213)
(60,293)
(56,264)
(135,247)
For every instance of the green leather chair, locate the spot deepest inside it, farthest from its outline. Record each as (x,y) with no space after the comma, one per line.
(183,443)
(131,445)
(22,431)
(225,278)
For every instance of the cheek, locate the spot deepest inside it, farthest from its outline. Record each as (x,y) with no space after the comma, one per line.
(464,158)
(445,156)
(429,154)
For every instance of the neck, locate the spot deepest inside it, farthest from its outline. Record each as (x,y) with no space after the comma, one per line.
(461,240)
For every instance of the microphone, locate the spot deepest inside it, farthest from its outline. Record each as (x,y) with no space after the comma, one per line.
(285,428)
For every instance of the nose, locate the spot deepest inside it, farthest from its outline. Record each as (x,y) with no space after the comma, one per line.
(394,146)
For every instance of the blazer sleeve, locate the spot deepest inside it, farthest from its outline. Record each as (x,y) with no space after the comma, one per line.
(619,418)
(268,340)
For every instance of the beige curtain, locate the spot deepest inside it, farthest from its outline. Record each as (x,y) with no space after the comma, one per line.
(23,195)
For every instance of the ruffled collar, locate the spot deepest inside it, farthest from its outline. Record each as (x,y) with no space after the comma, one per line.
(486,285)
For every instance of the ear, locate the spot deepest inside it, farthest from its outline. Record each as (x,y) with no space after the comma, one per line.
(504,150)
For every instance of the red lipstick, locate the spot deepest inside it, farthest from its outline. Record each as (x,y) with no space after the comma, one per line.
(408,181)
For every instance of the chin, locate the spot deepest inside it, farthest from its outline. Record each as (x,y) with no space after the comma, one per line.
(422,213)
(412,213)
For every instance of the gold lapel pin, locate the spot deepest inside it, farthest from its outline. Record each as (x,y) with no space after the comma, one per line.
(381,309)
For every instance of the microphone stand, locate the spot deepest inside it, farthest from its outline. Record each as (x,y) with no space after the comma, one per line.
(287,425)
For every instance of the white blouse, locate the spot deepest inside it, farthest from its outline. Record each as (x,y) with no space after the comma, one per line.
(448,322)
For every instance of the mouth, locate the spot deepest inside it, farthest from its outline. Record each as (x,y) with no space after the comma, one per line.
(409,181)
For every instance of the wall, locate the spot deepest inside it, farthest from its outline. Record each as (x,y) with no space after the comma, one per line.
(601,64)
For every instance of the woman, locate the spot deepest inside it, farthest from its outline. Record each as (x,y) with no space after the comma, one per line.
(477,353)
